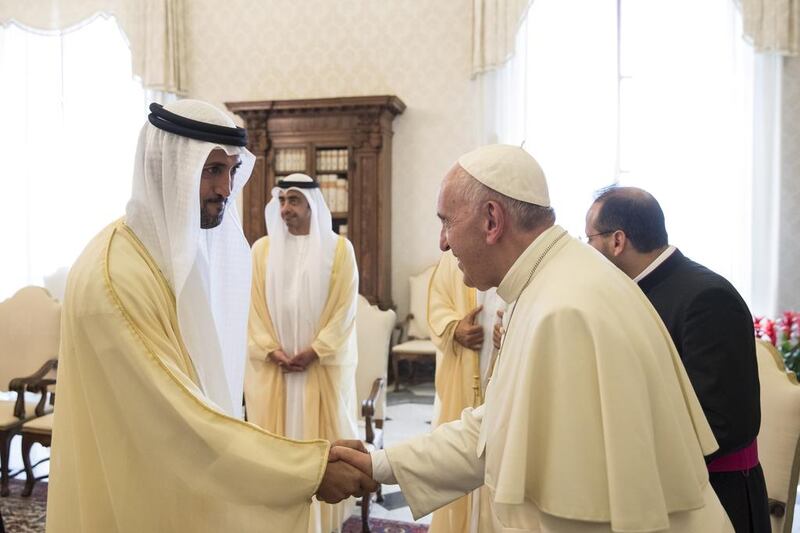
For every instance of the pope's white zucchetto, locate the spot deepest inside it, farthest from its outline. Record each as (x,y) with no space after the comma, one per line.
(509,170)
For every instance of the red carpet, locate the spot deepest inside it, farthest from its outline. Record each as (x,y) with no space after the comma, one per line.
(379,525)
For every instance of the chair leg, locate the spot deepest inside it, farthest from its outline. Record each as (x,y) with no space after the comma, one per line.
(5,453)
(27,442)
(379,494)
(396,368)
(365,501)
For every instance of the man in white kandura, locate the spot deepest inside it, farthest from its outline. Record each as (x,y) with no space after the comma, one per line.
(302,355)
(148,435)
(590,423)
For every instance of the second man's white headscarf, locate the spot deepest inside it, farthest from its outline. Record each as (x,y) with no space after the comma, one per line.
(315,271)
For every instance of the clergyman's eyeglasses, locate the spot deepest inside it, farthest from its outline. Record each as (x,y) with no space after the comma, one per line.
(588,238)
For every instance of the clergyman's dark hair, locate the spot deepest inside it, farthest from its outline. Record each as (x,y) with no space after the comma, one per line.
(634,211)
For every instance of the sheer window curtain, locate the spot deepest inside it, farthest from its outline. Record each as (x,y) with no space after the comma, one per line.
(70,113)
(658,94)
(687,126)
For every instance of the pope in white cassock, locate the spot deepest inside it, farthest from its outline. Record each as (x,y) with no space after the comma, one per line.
(590,423)
(148,435)
(302,355)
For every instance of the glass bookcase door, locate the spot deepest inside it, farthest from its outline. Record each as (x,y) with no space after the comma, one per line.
(288,161)
(332,164)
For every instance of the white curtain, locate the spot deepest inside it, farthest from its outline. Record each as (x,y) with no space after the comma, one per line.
(154,30)
(766,187)
(672,113)
(557,95)
(772,25)
(70,113)
(494,29)
(687,127)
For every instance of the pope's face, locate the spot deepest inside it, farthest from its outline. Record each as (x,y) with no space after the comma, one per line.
(216,183)
(462,233)
(295,212)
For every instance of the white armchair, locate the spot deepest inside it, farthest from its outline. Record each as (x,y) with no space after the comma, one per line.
(374,329)
(779,438)
(415,335)
(30,323)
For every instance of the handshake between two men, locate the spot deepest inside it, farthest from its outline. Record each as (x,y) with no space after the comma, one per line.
(349,472)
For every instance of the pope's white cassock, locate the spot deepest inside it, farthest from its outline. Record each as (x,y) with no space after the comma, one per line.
(148,435)
(590,423)
(304,294)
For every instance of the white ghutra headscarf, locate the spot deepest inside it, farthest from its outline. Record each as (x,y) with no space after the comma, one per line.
(314,273)
(209,270)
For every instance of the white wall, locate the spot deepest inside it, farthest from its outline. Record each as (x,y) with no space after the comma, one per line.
(418,50)
(789,262)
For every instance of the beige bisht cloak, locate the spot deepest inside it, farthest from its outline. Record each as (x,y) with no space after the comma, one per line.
(590,423)
(457,370)
(137,446)
(330,382)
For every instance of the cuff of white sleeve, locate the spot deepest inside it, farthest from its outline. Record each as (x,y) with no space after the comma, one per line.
(382,469)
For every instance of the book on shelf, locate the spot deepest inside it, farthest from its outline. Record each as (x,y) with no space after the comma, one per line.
(290,160)
(334,191)
(341,195)
(332,160)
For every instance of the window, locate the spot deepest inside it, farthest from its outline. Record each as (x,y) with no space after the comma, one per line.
(70,112)
(650,93)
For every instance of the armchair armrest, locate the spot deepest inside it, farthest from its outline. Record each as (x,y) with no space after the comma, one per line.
(42,387)
(776,508)
(400,331)
(21,384)
(368,408)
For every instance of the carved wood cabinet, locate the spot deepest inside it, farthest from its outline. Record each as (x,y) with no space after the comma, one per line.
(346,145)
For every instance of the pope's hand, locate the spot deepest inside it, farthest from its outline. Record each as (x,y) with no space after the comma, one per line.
(356,458)
(468,333)
(342,480)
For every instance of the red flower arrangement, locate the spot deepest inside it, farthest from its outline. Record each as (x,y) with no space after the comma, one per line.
(784,334)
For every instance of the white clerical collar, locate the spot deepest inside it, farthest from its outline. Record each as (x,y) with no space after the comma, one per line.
(655,264)
(520,272)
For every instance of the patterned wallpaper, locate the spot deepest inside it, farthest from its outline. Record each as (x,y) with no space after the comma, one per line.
(789,266)
(418,50)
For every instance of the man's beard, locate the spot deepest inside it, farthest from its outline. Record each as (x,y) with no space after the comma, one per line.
(209,220)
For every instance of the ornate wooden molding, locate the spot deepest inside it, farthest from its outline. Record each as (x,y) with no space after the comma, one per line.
(344,104)
(368,131)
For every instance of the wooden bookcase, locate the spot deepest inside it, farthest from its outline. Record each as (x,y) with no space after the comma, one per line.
(343,141)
